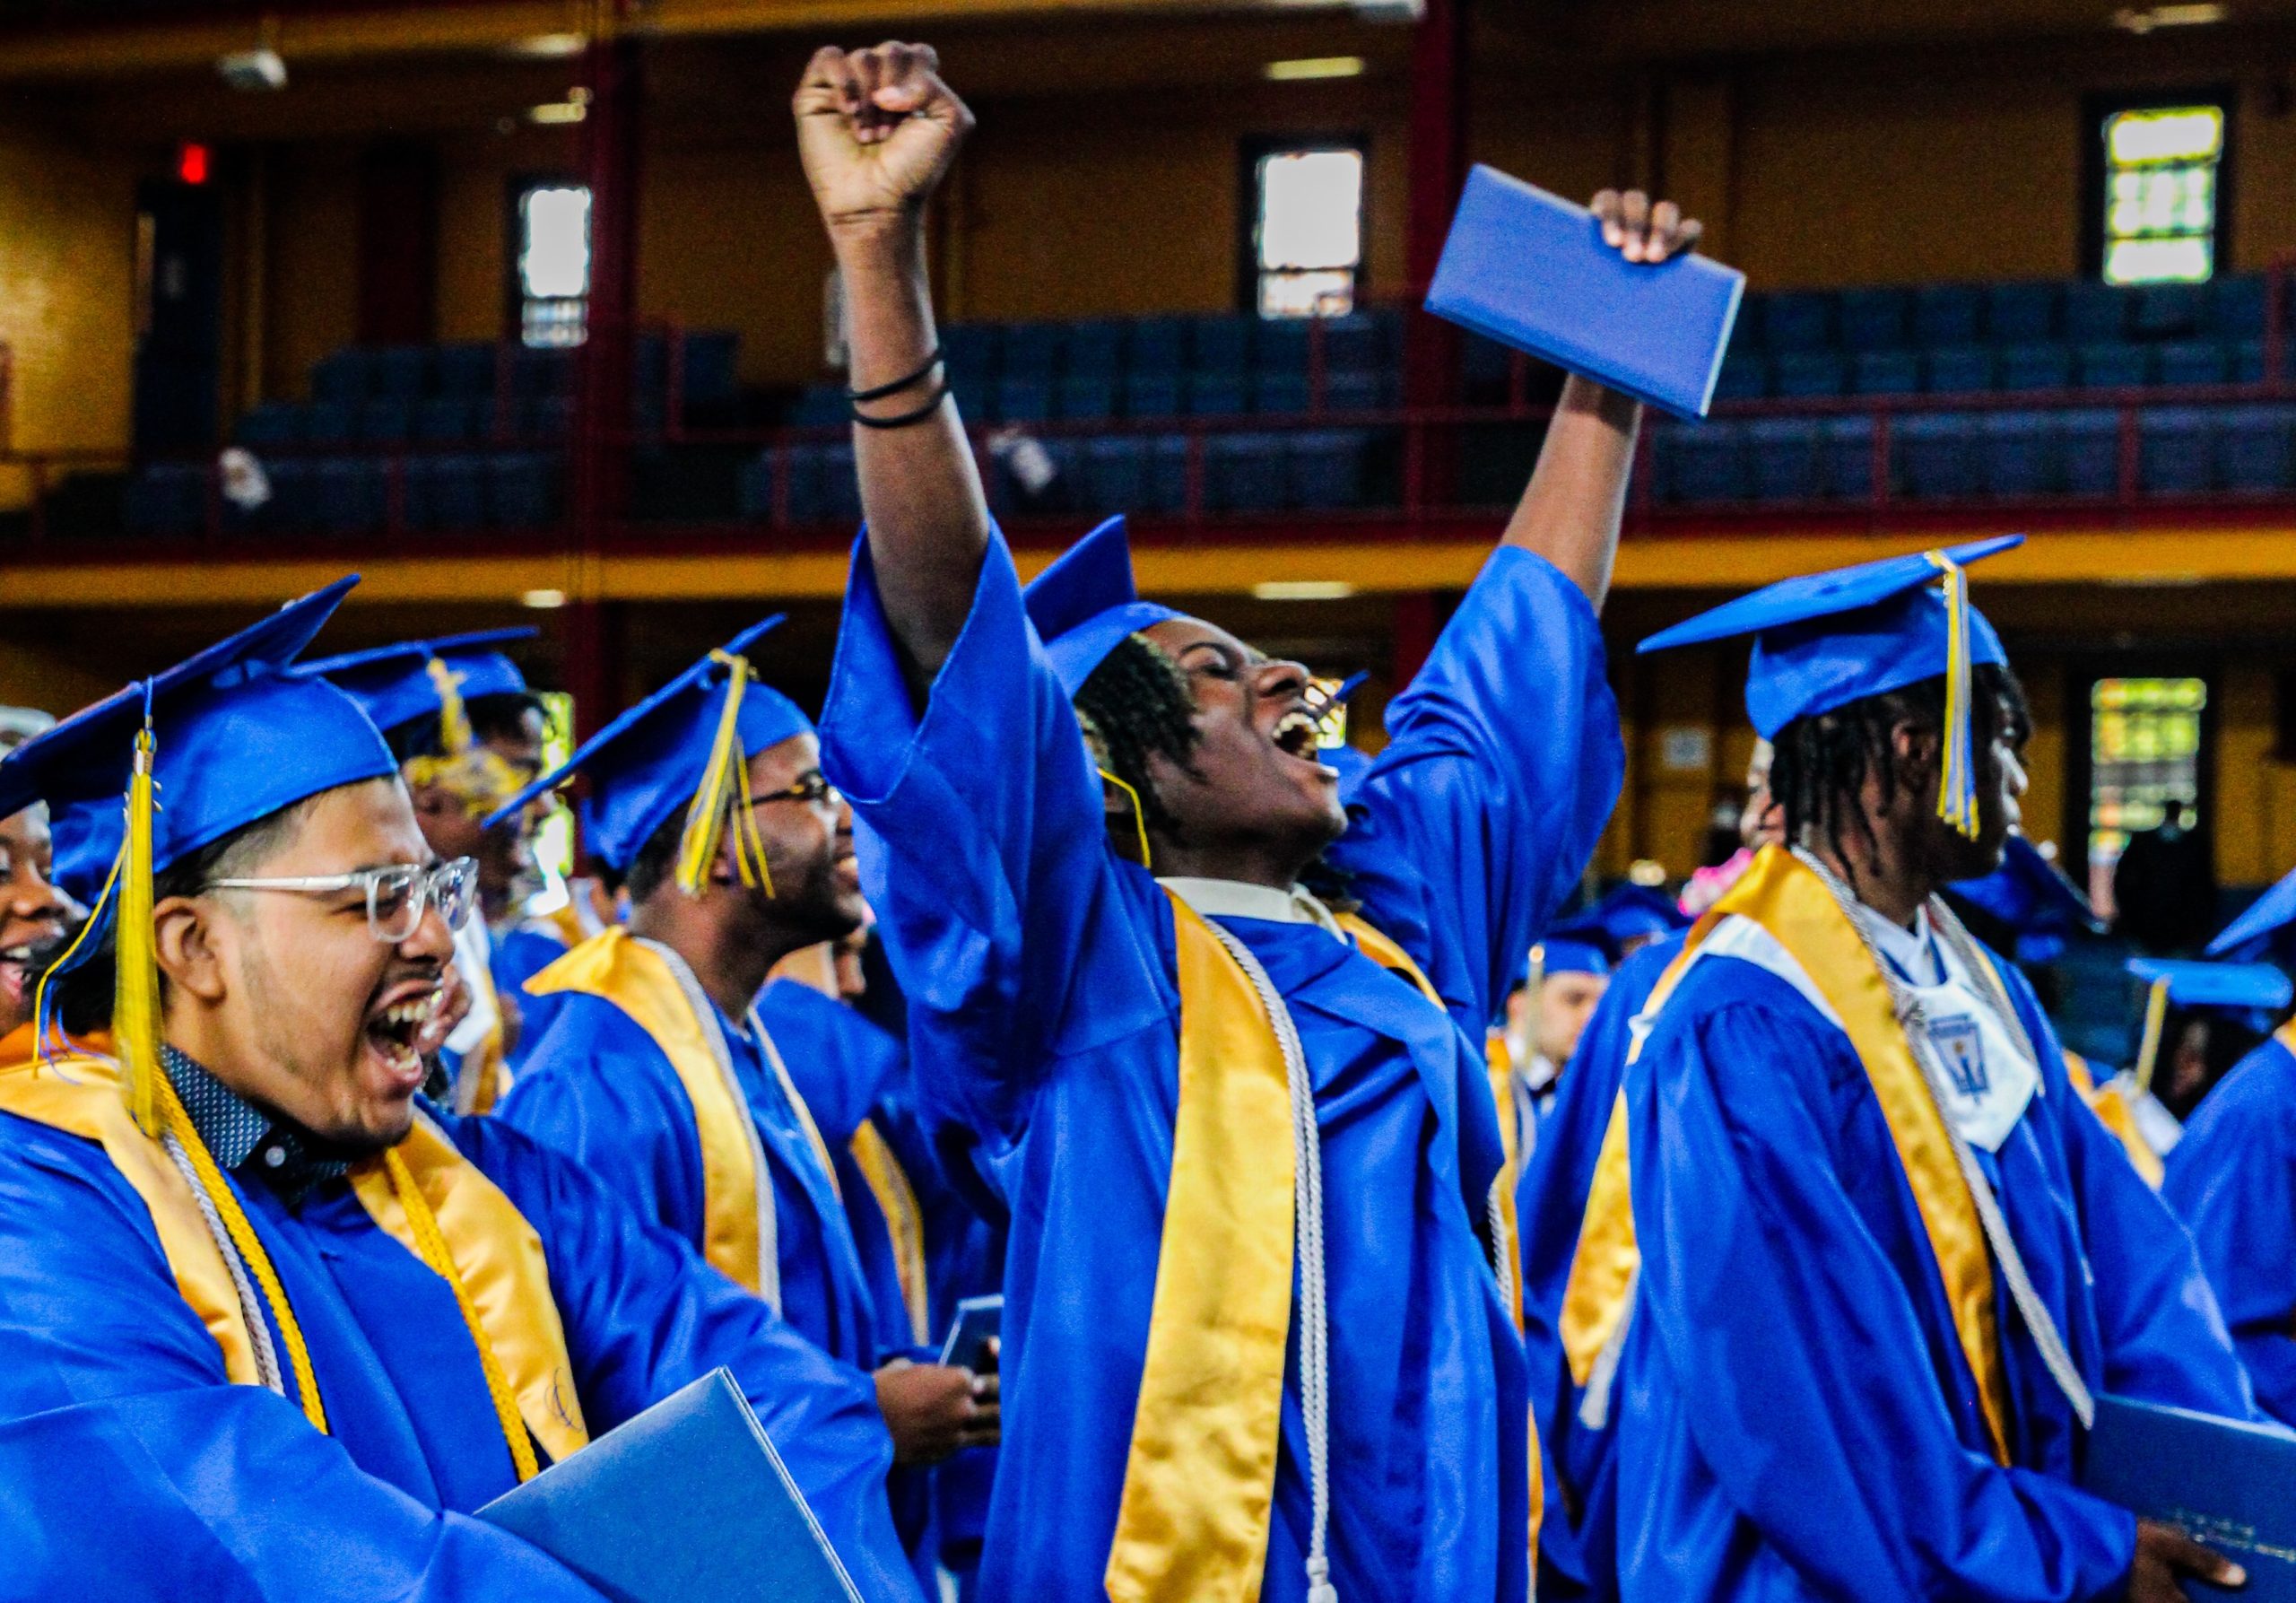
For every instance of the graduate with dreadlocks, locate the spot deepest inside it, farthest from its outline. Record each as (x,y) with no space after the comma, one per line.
(1192,1079)
(1886,1259)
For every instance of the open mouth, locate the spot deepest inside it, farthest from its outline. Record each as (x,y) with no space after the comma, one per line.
(394,1024)
(21,965)
(1298,735)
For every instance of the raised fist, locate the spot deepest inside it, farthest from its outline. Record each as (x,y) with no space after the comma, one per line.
(877,130)
(1644,232)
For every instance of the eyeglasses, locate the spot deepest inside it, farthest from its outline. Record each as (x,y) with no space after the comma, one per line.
(813,790)
(397,895)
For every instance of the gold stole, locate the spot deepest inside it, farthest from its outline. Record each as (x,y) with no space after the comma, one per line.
(1200,1476)
(483,1077)
(904,1221)
(2112,1111)
(1789,901)
(495,1250)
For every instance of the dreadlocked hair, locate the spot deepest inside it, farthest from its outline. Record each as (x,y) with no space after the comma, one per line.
(1135,705)
(1820,763)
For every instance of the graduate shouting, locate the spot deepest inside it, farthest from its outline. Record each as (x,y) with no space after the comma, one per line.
(269,1327)
(1887,1258)
(1254,1341)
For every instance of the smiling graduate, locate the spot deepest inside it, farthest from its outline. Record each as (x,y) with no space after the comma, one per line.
(270,1326)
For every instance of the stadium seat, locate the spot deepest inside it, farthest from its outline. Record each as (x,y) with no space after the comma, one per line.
(1872,319)
(2244,361)
(1360,342)
(1799,320)
(270,422)
(2027,368)
(1152,394)
(1485,365)
(400,372)
(1245,473)
(1801,374)
(1326,469)
(520,489)
(1946,314)
(2169,310)
(1166,486)
(2018,454)
(2236,310)
(1116,473)
(2256,449)
(1706,462)
(340,376)
(1886,373)
(448,493)
(351,495)
(1351,390)
(1023,396)
(463,369)
(2088,450)
(1281,346)
(1279,394)
(1846,448)
(546,417)
(2176,449)
(1158,346)
(384,422)
(2021,314)
(1094,347)
(970,350)
(1744,375)
(1959,370)
(1088,396)
(165,498)
(327,423)
(451,420)
(2192,361)
(2094,313)
(1753,325)
(1222,344)
(2112,366)
(822,406)
(1032,350)
(1938,456)
(1782,458)
(294,494)
(1217,393)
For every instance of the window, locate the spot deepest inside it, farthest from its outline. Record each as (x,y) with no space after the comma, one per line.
(1307,241)
(2160,193)
(553,236)
(2144,750)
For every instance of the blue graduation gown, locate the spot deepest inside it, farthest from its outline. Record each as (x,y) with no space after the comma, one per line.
(1576,1554)
(519,955)
(598,1088)
(133,1470)
(1796,1418)
(2232,1179)
(1039,969)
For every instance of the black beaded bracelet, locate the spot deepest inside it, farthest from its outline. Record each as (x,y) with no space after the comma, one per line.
(902,420)
(898,385)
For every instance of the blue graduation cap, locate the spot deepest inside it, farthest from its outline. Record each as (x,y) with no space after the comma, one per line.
(1581,944)
(433,678)
(1086,602)
(2029,896)
(1822,640)
(2253,993)
(145,778)
(2249,935)
(687,746)
(1634,913)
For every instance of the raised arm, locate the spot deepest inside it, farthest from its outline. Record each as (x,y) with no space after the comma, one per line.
(1570,511)
(877,129)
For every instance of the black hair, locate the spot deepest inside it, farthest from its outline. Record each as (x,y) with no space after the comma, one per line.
(498,716)
(656,861)
(83,995)
(1134,705)
(1820,763)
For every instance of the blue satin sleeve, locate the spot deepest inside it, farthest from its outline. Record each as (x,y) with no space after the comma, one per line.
(597,1088)
(1793,1351)
(2232,1179)
(982,848)
(132,1471)
(1503,765)
(644,1316)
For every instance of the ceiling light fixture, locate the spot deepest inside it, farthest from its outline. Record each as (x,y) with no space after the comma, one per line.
(1311,67)
(544,600)
(548,46)
(2143,20)
(557,113)
(1302,589)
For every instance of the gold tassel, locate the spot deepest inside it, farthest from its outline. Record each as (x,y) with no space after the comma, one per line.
(1957,801)
(2156,1014)
(726,773)
(136,998)
(453,719)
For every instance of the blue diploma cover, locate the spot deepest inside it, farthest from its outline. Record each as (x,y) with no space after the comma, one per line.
(2226,1483)
(1530,270)
(687,1501)
(977,1321)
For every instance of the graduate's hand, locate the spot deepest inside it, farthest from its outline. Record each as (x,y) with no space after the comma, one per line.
(877,130)
(935,1409)
(2166,1556)
(1641,231)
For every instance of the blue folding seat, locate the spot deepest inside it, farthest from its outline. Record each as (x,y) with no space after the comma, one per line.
(341,376)
(1782,458)
(2192,361)
(443,492)
(1023,397)
(294,494)
(840,484)
(971,352)
(384,422)
(1872,319)
(2176,449)
(1245,473)
(541,372)
(1360,342)
(1484,365)
(1946,314)
(2236,307)
(1326,469)
(400,372)
(462,370)
(2094,313)
(1217,393)
(1116,472)
(165,498)
(1347,391)
(1088,397)
(1152,394)
(2169,310)
(1279,394)
(1166,489)
(1959,370)
(649,362)
(801,464)
(1753,326)
(1846,452)
(1886,373)
(2088,440)
(1744,375)
(2025,368)
(2021,313)
(1032,350)
(2019,455)
(327,423)
(1707,462)
(1157,345)
(2244,361)
(712,367)
(2256,449)
(2112,366)
(521,489)
(753,489)
(1222,344)
(822,406)
(351,495)
(1281,344)
(447,419)
(270,422)
(1937,456)
(547,417)
(1801,374)
(1094,345)
(1799,320)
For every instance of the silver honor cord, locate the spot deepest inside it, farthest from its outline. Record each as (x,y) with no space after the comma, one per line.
(2039,1322)
(769,1223)
(1315,1314)
(266,1355)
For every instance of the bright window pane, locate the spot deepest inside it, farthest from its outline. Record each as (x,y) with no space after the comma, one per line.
(1307,294)
(2158,261)
(2144,750)
(2189,134)
(554,249)
(2160,194)
(1311,209)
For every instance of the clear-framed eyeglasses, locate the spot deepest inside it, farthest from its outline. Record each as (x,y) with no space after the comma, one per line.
(397,895)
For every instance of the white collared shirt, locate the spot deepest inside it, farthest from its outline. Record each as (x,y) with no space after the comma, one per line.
(1237,899)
